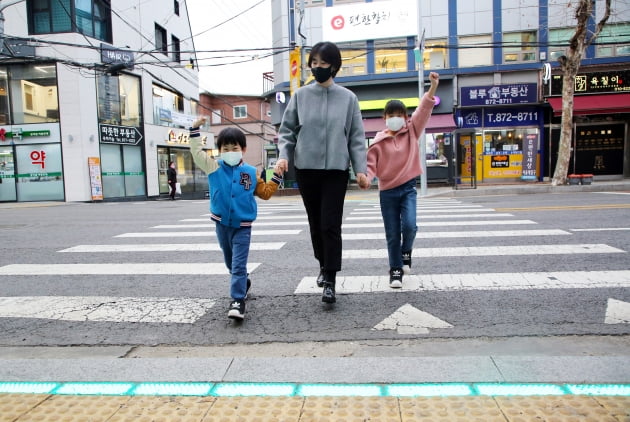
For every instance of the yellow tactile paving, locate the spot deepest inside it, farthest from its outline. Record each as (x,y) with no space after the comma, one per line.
(357,409)
(450,409)
(554,409)
(619,407)
(74,409)
(163,409)
(60,408)
(255,409)
(12,406)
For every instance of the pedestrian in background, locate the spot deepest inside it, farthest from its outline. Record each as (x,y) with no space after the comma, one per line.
(171,175)
(394,158)
(322,133)
(233,185)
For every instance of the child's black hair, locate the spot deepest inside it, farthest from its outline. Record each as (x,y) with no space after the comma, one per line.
(231,136)
(395,106)
(328,52)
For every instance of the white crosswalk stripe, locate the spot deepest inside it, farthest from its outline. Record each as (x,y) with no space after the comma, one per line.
(455,234)
(478,281)
(155,268)
(488,251)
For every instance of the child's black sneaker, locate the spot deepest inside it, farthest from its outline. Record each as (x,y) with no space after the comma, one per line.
(406,259)
(237,310)
(395,278)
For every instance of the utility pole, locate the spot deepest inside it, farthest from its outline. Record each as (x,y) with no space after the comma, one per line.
(422,140)
(4,5)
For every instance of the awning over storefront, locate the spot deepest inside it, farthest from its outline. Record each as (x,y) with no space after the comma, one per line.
(438,123)
(594,104)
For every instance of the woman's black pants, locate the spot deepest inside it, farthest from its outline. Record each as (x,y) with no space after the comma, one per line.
(323,193)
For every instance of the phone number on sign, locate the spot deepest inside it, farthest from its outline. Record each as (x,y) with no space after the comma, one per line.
(512,117)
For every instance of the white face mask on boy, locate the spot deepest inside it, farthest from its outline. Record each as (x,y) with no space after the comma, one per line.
(394,123)
(232,158)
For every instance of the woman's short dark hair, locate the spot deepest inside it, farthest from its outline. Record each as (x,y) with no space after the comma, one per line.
(395,106)
(231,136)
(328,52)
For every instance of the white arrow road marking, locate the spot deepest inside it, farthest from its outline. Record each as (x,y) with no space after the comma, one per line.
(475,281)
(208,225)
(265,246)
(410,320)
(488,251)
(212,233)
(617,312)
(106,309)
(479,233)
(156,268)
(447,223)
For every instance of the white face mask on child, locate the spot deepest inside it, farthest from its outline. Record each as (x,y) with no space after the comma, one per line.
(394,123)
(232,158)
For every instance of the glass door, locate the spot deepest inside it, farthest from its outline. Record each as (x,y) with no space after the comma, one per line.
(7,175)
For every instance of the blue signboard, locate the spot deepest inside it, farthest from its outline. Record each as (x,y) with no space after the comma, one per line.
(519,116)
(499,117)
(499,95)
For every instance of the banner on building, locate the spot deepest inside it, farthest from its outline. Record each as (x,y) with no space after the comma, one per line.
(295,69)
(370,21)
(96,184)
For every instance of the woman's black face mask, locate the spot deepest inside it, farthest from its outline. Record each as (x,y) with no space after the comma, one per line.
(322,74)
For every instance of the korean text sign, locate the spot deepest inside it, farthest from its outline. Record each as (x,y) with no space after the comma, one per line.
(369,21)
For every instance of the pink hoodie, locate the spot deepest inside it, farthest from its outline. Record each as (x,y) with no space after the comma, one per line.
(396,159)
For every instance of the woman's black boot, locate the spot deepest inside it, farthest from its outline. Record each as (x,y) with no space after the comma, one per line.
(328,296)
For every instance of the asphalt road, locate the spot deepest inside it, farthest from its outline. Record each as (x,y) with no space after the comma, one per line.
(479,273)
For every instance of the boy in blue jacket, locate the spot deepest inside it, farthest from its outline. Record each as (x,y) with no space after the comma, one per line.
(233,184)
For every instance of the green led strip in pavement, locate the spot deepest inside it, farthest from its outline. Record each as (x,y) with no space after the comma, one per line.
(232,389)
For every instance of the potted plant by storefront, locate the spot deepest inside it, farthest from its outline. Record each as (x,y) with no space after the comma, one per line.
(575,179)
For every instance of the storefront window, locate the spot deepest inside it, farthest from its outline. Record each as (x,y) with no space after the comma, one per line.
(7,174)
(390,55)
(559,41)
(472,52)
(435,55)
(122,171)
(119,101)
(4,98)
(168,107)
(39,173)
(506,140)
(353,59)
(614,40)
(191,178)
(33,91)
(519,47)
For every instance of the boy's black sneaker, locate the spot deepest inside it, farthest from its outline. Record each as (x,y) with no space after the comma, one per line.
(406,259)
(237,310)
(395,278)
(321,278)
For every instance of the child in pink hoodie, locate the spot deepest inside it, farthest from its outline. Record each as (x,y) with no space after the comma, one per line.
(394,158)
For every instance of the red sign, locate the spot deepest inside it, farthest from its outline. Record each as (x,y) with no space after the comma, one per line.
(337,22)
(38,157)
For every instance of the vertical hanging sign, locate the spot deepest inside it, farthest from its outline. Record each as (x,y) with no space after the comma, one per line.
(96,185)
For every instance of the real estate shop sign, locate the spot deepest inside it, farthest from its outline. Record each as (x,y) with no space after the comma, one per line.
(498,95)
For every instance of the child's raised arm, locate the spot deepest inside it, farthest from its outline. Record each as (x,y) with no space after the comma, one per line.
(200,157)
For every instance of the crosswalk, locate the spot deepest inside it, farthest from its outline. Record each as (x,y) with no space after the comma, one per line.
(281,223)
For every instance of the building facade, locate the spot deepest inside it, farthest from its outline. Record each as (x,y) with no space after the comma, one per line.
(95,99)
(498,107)
(251,114)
